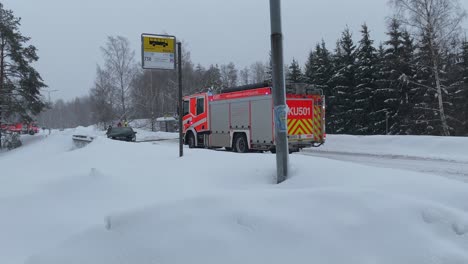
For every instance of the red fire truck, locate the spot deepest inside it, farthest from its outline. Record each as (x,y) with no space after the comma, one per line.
(21,128)
(242,119)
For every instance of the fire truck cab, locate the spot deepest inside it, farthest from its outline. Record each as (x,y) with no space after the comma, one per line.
(242,119)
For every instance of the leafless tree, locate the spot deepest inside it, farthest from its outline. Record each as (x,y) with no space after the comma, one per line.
(244,76)
(103,97)
(258,72)
(120,63)
(438,22)
(229,75)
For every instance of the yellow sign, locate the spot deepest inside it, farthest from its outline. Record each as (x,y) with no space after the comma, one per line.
(158,52)
(158,44)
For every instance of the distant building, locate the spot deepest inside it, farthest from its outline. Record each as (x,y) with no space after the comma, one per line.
(166,124)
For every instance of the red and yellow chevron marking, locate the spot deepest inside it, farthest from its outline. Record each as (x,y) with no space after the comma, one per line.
(299,126)
(317,124)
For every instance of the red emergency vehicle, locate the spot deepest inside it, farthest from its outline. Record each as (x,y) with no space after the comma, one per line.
(21,128)
(242,119)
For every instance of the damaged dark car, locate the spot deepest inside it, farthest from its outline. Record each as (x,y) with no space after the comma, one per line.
(122,133)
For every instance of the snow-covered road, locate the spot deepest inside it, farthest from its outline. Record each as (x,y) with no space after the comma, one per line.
(447,168)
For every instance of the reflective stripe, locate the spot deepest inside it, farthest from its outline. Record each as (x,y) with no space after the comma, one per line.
(198,122)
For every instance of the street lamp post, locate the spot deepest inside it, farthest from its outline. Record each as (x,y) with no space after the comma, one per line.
(49,121)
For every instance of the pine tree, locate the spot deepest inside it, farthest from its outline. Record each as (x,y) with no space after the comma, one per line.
(465,86)
(343,82)
(403,122)
(319,68)
(20,83)
(212,78)
(293,75)
(325,71)
(459,76)
(366,73)
(436,24)
(310,67)
(331,100)
(318,72)
(424,114)
(381,94)
(391,96)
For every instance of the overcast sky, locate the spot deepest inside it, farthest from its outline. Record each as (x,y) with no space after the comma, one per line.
(69,33)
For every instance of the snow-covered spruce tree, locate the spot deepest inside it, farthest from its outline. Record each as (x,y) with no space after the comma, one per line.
(20,83)
(465,86)
(457,70)
(343,82)
(435,23)
(212,77)
(310,67)
(382,95)
(363,111)
(319,68)
(331,100)
(294,75)
(324,70)
(318,71)
(425,113)
(403,123)
(391,96)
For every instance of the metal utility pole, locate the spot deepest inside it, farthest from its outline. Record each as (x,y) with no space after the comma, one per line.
(279,93)
(179,63)
(49,121)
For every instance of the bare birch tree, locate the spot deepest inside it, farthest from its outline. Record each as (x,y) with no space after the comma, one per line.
(102,98)
(244,75)
(229,75)
(120,63)
(258,72)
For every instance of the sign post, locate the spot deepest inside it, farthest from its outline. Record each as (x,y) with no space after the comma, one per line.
(181,111)
(159,52)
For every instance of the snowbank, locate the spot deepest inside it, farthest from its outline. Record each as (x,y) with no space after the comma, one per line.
(120,202)
(343,214)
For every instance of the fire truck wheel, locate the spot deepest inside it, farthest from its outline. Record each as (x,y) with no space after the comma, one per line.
(191,140)
(240,144)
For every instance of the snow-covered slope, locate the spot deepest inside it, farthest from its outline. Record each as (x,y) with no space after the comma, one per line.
(119,202)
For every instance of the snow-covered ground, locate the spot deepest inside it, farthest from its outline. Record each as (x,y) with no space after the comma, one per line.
(120,202)
(428,147)
(443,156)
